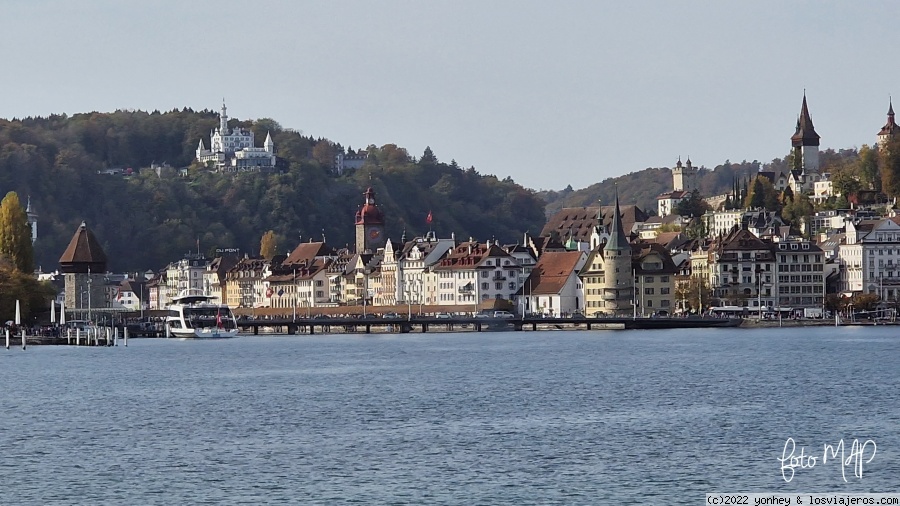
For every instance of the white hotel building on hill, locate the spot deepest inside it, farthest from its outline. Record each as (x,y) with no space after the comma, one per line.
(235,150)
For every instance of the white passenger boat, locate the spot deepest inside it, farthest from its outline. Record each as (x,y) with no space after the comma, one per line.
(192,315)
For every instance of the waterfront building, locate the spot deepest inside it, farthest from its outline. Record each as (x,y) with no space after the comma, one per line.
(185,274)
(554,287)
(474,272)
(84,266)
(131,294)
(801,274)
(869,258)
(233,150)
(407,264)
(245,287)
(654,279)
(214,277)
(742,269)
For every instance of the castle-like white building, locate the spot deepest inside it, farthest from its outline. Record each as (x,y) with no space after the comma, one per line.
(235,150)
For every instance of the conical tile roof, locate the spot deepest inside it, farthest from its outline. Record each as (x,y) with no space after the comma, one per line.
(83,253)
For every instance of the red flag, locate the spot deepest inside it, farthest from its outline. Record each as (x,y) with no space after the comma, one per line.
(218,319)
(429,218)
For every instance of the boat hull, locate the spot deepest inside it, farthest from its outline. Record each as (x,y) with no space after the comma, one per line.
(204,333)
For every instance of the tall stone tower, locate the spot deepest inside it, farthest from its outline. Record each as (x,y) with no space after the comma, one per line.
(890,129)
(32,220)
(369,225)
(684,177)
(805,142)
(84,266)
(618,286)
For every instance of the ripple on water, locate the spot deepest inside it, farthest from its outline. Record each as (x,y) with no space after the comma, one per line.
(499,418)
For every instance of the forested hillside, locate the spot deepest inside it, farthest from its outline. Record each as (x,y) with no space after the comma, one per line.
(151,218)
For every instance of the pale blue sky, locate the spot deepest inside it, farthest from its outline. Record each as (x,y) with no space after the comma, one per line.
(549,93)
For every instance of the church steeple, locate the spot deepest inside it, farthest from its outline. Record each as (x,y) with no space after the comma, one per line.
(805,134)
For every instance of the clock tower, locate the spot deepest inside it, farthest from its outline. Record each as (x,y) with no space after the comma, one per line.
(369,225)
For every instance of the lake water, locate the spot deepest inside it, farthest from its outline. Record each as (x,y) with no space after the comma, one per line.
(577,417)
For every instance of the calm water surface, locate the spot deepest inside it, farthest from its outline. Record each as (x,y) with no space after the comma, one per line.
(494,418)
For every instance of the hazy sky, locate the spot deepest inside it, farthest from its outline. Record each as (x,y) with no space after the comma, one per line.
(549,93)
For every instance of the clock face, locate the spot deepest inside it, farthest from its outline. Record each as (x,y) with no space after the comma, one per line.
(374,233)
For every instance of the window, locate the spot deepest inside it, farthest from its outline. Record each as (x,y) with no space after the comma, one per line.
(648,279)
(485,274)
(485,286)
(648,291)
(664,279)
(498,286)
(664,290)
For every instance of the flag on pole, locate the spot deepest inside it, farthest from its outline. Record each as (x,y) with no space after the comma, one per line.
(429,218)
(218,318)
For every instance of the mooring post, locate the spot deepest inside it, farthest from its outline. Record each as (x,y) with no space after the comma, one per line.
(116,336)
(23,339)
(125,336)
(77,337)
(7,339)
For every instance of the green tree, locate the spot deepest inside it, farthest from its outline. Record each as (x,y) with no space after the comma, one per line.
(798,210)
(762,194)
(696,229)
(688,294)
(889,167)
(15,234)
(692,206)
(868,168)
(787,196)
(268,245)
(33,295)
(865,301)
(845,182)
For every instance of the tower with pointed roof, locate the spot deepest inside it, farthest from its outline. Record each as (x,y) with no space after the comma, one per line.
(890,129)
(618,283)
(805,143)
(369,225)
(684,176)
(84,265)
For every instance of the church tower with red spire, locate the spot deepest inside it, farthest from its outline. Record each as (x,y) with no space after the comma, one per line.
(369,225)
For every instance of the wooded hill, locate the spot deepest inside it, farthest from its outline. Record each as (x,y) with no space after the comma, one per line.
(642,187)
(151,218)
